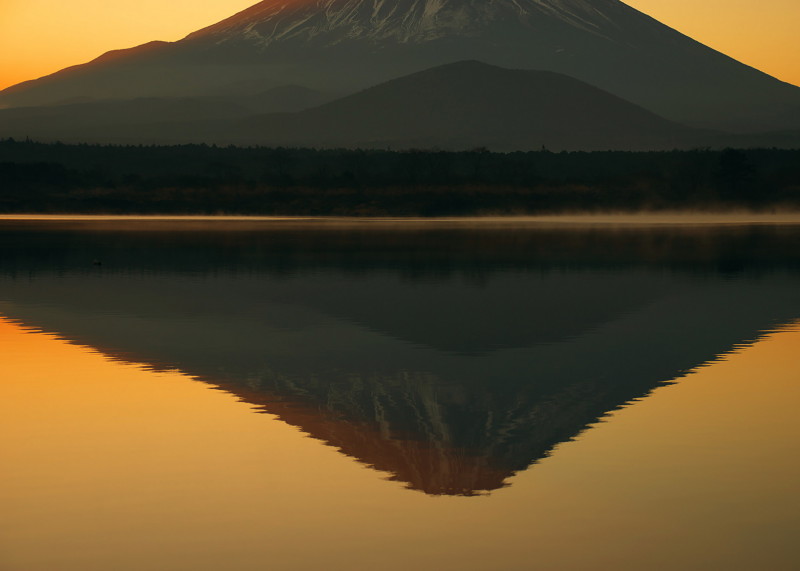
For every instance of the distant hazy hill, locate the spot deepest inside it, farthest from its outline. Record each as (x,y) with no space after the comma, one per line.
(457,106)
(114,120)
(471,104)
(341,46)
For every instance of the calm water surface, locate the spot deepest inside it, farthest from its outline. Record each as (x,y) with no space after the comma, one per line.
(309,395)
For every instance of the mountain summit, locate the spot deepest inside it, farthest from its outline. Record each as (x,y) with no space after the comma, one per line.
(341,46)
(329,22)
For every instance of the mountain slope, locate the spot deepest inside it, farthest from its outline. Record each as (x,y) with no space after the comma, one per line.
(345,45)
(457,106)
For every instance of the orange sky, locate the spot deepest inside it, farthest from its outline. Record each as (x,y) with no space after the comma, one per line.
(38,37)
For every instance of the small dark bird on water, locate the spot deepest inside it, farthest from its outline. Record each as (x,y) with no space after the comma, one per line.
(97,263)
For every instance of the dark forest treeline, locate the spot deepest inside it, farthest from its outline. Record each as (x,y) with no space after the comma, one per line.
(36,177)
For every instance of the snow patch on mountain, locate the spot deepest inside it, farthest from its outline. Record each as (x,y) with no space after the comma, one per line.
(330,22)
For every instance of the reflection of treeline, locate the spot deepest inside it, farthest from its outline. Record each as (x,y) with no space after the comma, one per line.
(417,251)
(208,179)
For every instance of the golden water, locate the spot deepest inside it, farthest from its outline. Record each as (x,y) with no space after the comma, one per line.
(110,465)
(242,395)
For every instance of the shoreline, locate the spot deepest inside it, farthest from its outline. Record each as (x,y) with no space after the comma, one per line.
(667,218)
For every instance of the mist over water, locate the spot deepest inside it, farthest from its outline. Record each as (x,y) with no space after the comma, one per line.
(542,366)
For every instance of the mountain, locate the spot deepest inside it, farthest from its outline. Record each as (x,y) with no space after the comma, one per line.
(347,45)
(456,106)
(470,104)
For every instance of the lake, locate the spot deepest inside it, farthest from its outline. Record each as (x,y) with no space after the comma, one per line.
(292,394)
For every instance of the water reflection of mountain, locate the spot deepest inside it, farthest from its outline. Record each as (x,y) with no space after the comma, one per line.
(450,381)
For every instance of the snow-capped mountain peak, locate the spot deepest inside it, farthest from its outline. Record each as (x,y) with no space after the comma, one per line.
(403,21)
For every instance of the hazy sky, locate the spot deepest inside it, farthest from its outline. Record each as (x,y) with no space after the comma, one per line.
(38,37)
